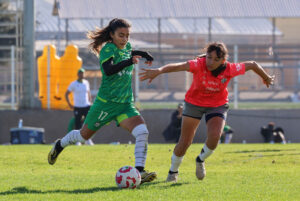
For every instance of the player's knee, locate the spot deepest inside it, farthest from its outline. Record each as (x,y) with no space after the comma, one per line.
(140,131)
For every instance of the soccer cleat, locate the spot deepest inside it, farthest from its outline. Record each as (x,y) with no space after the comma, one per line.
(200,170)
(55,151)
(172,177)
(147,176)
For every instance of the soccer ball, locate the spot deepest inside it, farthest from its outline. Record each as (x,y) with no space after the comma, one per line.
(128,177)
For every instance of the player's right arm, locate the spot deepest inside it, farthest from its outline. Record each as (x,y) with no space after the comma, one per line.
(150,74)
(67,99)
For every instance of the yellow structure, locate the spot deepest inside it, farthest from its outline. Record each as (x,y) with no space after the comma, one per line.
(43,76)
(70,63)
(62,72)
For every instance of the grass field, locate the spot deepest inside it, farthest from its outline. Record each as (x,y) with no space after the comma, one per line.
(234,172)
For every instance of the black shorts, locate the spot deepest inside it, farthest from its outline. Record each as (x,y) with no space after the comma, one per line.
(197,112)
(80,113)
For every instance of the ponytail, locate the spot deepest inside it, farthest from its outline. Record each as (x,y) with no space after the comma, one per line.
(100,36)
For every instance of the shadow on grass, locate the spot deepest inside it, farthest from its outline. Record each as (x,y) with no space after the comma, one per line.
(25,190)
(168,184)
(262,150)
(272,155)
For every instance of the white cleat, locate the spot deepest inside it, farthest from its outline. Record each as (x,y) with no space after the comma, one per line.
(200,170)
(172,177)
(89,142)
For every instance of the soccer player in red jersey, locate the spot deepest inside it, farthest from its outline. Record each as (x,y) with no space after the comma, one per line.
(207,95)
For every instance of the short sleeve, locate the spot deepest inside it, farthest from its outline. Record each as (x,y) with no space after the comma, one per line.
(236,69)
(71,87)
(106,53)
(195,64)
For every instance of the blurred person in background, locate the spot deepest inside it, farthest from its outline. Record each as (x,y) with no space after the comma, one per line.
(207,95)
(82,101)
(114,101)
(271,134)
(172,132)
(227,134)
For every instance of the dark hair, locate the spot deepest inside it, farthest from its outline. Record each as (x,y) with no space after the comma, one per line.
(220,49)
(100,36)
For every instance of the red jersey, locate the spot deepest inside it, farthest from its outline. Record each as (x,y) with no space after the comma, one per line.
(207,90)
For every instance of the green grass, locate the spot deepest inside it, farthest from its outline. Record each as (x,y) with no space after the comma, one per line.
(234,172)
(241,105)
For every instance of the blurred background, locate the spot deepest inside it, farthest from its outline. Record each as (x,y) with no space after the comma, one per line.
(268,37)
(266,31)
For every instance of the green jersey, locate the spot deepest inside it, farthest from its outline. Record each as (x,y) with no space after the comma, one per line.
(117,87)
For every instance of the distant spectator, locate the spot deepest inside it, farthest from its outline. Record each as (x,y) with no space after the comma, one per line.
(279,135)
(272,134)
(172,132)
(227,134)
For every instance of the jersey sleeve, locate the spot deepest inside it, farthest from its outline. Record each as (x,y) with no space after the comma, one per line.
(194,65)
(106,53)
(236,69)
(71,87)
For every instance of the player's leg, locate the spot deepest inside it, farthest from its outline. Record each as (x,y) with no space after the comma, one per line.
(84,114)
(78,116)
(72,137)
(188,130)
(137,127)
(96,118)
(215,122)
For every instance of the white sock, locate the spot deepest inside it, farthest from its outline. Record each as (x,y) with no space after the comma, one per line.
(71,138)
(175,162)
(205,153)
(140,133)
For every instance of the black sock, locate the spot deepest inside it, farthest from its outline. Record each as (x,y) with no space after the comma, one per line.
(140,168)
(171,172)
(199,160)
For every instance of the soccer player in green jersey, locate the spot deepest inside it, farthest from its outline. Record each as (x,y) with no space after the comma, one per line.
(115,98)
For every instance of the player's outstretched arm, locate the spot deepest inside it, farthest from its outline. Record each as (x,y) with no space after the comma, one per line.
(150,74)
(267,79)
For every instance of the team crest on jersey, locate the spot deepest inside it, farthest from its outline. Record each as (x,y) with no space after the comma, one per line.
(97,124)
(223,80)
(107,50)
(238,67)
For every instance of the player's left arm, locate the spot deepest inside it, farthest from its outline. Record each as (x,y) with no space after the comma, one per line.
(258,69)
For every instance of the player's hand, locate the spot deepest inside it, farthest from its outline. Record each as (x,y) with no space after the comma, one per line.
(135,59)
(269,80)
(149,74)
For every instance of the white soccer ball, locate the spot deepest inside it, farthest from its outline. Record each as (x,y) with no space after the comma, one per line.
(128,177)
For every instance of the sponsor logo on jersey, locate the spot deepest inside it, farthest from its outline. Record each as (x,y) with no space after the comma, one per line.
(223,80)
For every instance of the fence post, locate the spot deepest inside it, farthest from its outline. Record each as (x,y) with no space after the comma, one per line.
(13,65)
(235,79)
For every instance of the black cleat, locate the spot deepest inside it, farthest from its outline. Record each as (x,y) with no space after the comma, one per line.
(148,176)
(55,151)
